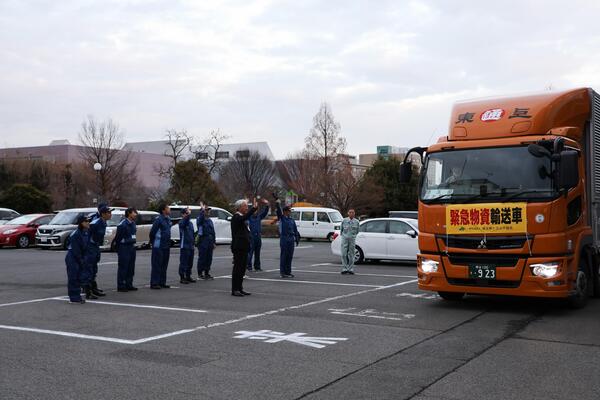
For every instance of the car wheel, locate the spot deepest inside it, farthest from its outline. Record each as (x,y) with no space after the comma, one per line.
(23,242)
(330,237)
(582,286)
(451,296)
(359,256)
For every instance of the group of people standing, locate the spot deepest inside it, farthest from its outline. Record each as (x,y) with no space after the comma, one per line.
(84,253)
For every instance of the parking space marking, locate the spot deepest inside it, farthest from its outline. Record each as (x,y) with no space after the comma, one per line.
(268,336)
(425,296)
(27,301)
(357,274)
(370,313)
(212,325)
(308,282)
(137,305)
(321,264)
(108,262)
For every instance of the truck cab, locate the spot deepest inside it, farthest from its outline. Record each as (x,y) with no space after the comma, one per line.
(509,200)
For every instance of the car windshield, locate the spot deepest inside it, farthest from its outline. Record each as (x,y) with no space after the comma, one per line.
(335,216)
(65,218)
(115,219)
(22,220)
(490,174)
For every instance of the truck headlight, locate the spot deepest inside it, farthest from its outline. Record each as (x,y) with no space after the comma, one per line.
(545,270)
(428,265)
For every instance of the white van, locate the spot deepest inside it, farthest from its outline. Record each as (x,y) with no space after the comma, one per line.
(221,219)
(317,222)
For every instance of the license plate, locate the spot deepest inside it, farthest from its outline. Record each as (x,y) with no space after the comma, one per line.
(43,240)
(482,271)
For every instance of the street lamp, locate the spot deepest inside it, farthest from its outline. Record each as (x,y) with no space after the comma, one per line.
(98,168)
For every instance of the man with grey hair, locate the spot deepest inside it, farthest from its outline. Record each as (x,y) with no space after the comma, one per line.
(240,245)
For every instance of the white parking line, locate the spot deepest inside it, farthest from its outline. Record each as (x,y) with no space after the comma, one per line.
(357,274)
(108,262)
(28,301)
(137,305)
(69,334)
(313,282)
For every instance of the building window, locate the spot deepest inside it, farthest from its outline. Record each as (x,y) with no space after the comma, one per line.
(242,153)
(202,156)
(222,154)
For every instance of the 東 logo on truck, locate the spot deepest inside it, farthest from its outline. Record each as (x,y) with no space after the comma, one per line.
(492,115)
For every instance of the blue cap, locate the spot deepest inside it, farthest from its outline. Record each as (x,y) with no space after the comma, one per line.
(103,208)
(82,218)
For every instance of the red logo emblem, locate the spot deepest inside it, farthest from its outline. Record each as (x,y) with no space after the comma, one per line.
(492,115)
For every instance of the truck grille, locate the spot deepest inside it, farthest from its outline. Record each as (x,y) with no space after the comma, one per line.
(483,283)
(488,242)
(499,260)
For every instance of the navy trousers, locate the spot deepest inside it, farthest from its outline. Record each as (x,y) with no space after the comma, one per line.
(286,256)
(90,267)
(205,255)
(186,260)
(126,269)
(74,270)
(160,262)
(255,245)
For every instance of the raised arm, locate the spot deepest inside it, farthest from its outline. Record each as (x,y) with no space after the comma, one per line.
(263,214)
(278,209)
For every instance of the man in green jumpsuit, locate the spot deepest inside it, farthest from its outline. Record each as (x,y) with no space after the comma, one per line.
(348,233)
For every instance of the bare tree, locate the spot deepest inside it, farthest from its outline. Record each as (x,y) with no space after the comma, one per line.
(248,173)
(324,141)
(302,173)
(102,143)
(207,151)
(177,143)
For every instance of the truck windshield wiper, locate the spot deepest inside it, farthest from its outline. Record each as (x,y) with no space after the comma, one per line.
(511,196)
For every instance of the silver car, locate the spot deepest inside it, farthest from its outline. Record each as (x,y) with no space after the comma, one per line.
(143,223)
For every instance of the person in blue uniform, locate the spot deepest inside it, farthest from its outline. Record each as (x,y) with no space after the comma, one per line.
(206,242)
(288,236)
(97,231)
(255,224)
(160,238)
(78,244)
(186,247)
(125,240)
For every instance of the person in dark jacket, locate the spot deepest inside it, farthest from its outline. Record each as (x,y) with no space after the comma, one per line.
(186,247)
(255,223)
(240,245)
(97,231)
(160,238)
(75,258)
(288,236)
(206,242)
(125,240)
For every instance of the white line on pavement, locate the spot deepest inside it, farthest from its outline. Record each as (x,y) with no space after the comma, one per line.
(108,262)
(28,301)
(137,305)
(69,334)
(357,274)
(312,282)
(321,264)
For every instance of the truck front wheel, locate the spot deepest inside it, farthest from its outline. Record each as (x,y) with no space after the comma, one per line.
(582,286)
(451,296)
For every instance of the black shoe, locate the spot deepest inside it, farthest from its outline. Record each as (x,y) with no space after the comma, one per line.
(283,276)
(94,286)
(289,275)
(80,301)
(190,279)
(245,293)
(165,287)
(350,272)
(237,294)
(184,281)
(122,290)
(89,295)
(155,287)
(98,292)
(257,269)
(132,288)
(208,277)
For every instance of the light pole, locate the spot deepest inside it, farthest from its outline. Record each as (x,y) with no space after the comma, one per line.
(98,168)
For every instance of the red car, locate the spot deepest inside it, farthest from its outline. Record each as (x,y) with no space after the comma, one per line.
(20,231)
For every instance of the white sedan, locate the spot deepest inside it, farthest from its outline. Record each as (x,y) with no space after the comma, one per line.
(384,239)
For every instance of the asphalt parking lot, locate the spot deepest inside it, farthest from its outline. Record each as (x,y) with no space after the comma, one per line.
(373,335)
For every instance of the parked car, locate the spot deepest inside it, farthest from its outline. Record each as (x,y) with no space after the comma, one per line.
(404,214)
(221,219)
(20,231)
(6,214)
(143,223)
(56,233)
(317,222)
(384,239)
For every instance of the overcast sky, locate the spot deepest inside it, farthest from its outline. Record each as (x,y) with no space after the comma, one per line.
(258,70)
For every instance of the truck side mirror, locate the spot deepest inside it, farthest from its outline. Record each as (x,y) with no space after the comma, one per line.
(405,172)
(568,170)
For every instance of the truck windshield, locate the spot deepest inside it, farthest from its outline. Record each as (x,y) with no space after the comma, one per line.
(482,175)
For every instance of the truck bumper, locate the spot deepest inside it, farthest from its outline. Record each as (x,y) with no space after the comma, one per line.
(518,281)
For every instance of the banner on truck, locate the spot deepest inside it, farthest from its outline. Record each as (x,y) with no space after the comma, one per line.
(486,218)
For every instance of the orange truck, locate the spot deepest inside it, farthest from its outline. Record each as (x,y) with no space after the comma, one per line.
(509,201)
